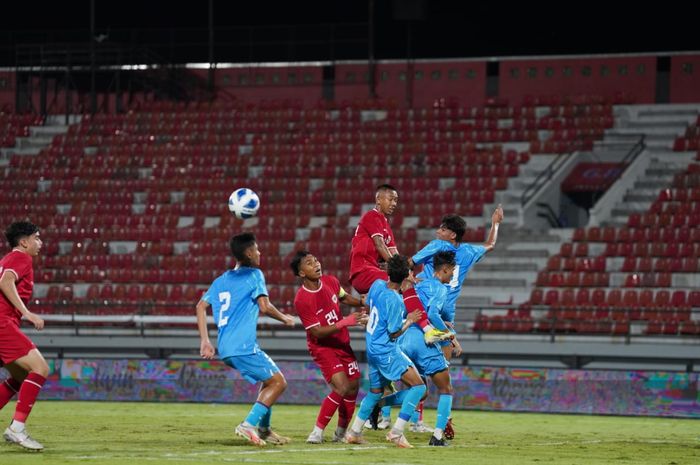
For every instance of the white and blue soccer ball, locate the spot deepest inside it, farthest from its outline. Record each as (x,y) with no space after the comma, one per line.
(244,203)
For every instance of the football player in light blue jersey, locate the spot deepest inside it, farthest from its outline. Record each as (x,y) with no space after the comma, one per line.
(449,238)
(385,360)
(429,360)
(236,298)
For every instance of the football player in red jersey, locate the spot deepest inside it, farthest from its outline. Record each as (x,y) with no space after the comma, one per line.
(374,242)
(328,340)
(18,354)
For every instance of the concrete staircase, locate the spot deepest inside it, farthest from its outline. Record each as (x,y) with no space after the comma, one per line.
(660,124)
(40,137)
(509,272)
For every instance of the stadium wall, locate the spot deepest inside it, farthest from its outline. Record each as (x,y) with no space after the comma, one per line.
(685,85)
(642,393)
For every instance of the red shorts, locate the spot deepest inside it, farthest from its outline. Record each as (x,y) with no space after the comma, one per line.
(363,280)
(14,343)
(332,361)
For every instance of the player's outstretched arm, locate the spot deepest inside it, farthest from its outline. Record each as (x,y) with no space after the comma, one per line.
(270,310)
(7,286)
(411,318)
(351,300)
(496,219)
(206,349)
(385,252)
(354,319)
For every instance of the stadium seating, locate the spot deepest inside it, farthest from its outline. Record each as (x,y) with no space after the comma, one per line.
(136,199)
(637,278)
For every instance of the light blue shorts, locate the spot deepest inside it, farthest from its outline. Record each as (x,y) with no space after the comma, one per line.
(254,367)
(383,369)
(428,359)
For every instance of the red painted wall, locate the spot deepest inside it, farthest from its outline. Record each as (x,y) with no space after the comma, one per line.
(685,79)
(432,83)
(257,83)
(606,77)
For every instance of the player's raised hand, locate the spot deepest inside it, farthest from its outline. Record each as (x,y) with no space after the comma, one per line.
(497,216)
(36,320)
(361,318)
(206,350)
(414,316)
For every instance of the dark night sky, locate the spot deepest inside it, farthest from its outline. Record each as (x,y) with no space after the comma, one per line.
(447,28)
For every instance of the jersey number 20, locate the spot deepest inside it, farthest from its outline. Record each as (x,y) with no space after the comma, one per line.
(373,320)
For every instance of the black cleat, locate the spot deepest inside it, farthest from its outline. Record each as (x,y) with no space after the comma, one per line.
(437,442)
(374,417)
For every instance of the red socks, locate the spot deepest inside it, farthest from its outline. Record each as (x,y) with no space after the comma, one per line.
(345,411)
(28,393)
(328,407)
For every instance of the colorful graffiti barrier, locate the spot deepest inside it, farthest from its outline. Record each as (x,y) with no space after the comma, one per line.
(651,393)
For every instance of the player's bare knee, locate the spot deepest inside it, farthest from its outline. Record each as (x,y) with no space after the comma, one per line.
(346,389)
(446,389)
(40,367)
(281,383)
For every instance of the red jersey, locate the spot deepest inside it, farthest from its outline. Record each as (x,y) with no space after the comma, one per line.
(19,264)
(320,308)
(363,253)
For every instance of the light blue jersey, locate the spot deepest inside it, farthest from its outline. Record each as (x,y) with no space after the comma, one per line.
(433,295)
(466,255)
(428,359)
(385,317)
(233,297)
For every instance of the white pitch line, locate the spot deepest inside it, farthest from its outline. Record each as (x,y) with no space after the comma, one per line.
(225,454)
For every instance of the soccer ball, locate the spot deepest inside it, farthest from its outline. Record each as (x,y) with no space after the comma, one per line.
(244,203)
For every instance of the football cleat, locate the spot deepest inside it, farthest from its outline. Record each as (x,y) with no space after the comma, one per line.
(270,437)
(353,438)
(398,439)
(435,335)
(437,442)
(419,427)
(449,431)
(315,438)
(22,438)
(250,433)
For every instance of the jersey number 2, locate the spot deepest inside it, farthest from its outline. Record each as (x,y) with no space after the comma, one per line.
(225,300)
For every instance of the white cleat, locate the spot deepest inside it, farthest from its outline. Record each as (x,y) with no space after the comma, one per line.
(22,438)
(315,438)
(384,423)
(398,439)
(420,427)
(353,438)
(251,434)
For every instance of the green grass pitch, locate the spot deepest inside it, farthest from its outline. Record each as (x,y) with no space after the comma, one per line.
(159,433)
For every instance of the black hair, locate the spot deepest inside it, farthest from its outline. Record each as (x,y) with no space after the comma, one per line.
(445,258)
(397,268)
(456,224)
(18,230)
(385,187)
(296,261)
(239,244)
